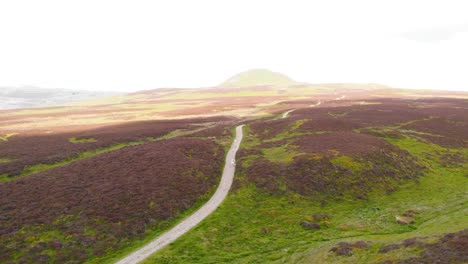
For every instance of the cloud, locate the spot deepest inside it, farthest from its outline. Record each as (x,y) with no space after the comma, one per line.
(435,35)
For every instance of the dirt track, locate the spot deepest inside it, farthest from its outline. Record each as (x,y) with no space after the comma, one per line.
(188,223)
(285,114)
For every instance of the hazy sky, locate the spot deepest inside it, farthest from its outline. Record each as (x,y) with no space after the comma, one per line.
(135,45)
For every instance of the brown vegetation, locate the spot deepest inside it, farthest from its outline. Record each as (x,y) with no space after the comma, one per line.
(451,248)
(28,149)
(345,143)
(346,249)
(93,205)
(358,133)
(320,178)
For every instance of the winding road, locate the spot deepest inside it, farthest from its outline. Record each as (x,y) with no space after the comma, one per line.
(285,114)
(191,221)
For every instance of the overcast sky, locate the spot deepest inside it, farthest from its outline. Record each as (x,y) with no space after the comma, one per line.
(135,45)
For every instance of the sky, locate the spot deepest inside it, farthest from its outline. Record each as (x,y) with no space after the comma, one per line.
(137,45)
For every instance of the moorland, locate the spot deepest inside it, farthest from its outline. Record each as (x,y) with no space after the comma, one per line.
(326,173)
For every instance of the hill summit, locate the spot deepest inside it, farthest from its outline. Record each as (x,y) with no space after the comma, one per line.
(256,77)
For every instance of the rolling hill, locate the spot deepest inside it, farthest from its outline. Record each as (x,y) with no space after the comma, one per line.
(258,77)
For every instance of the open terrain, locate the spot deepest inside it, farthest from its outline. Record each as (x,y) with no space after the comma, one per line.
(335,184)
(325,173)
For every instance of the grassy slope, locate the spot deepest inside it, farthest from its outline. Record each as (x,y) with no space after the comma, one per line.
(253,227)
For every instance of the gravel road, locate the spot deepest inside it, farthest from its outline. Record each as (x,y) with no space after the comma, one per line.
(188,223)
(285,114)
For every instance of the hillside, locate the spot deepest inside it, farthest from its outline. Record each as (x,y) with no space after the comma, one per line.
(380,182)
(326,173)
(258,77)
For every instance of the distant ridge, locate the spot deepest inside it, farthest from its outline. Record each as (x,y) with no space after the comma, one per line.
(31,96)
(257,77)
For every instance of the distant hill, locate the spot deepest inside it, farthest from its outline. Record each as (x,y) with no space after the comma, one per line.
(257,77)
(31,96)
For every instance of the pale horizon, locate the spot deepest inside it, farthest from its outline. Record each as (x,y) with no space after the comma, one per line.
(128,46)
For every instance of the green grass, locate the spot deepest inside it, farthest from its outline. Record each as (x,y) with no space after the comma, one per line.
(254,227)
(348,163)
(249,140)
(284,153)
(81,140)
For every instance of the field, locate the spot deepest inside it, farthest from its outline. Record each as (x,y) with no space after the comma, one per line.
(355,173)
(32,151)
(79,211)
(327,184)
